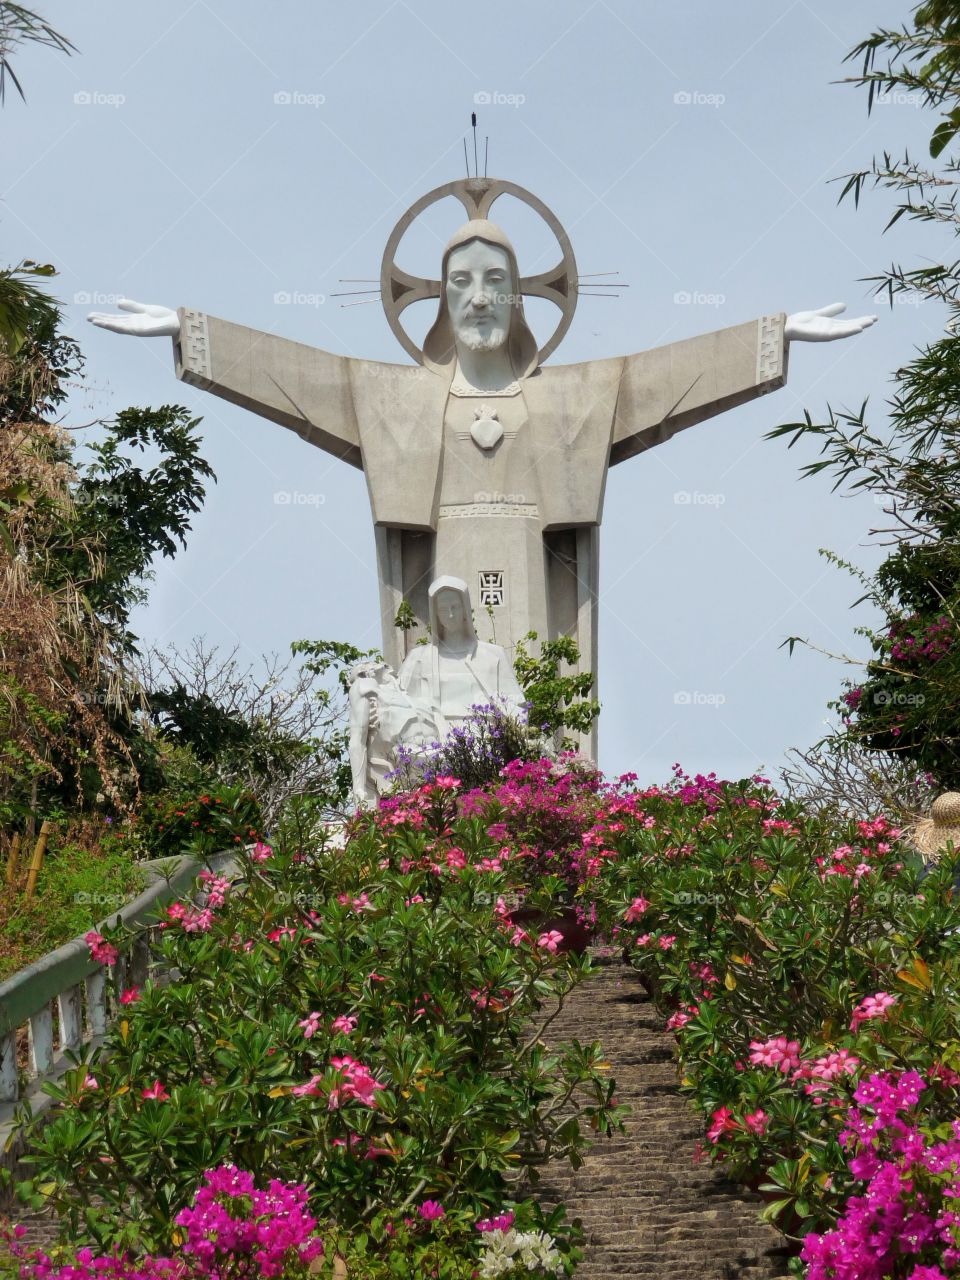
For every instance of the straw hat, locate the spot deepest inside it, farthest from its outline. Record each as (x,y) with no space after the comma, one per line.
(931,834)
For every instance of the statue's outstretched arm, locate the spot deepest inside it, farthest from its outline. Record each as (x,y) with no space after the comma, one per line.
(302,388)
(669,388)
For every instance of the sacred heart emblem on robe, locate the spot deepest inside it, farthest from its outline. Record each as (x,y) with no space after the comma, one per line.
(486,429)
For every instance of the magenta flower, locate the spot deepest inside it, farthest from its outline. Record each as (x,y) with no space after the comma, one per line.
(156,1091)
(431,1210)
(130,996)
(636,909)
(502,1222)
(722,1122)
(757,1121)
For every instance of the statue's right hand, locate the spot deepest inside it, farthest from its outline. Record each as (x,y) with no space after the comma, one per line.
(146,321)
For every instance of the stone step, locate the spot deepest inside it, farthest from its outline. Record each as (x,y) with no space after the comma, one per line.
(647,1208)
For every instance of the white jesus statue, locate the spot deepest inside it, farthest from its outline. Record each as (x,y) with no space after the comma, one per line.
(481,462)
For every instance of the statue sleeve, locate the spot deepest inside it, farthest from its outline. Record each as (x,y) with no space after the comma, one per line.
(300,387)
(669,388)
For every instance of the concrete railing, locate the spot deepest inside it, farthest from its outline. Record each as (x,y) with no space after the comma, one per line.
(81,993)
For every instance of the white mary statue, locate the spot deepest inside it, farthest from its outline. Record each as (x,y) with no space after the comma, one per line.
(438,687)
(456,671)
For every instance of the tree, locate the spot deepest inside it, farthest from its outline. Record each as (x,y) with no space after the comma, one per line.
(557,701)
(274,734)
(18,26)
(77,547)
(908,701)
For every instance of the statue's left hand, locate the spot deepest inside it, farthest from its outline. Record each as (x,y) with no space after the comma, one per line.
(819,325)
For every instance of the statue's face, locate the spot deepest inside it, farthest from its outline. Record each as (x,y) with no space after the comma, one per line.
(477,289)
(450,613)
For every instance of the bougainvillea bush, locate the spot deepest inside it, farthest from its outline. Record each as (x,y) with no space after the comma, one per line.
(361,1020)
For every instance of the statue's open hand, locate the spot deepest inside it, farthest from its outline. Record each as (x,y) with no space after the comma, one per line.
(147,320)
(819,325)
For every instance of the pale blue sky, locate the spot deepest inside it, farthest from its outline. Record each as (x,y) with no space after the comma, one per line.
(158,164)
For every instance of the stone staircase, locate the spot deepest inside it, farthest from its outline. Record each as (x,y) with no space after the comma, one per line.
(647,1208)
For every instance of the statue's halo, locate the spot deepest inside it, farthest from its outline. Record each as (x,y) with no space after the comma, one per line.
(399,289)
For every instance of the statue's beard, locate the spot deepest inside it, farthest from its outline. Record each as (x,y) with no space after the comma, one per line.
(475,341)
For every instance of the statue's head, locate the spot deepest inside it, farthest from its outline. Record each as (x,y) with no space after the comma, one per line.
(369,669)
(481,307)
(451,617)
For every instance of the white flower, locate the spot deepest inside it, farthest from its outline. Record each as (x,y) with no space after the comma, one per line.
(505,1249)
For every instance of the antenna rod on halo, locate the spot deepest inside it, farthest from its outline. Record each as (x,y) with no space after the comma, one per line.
(476,166)
(465,160)
(486,148)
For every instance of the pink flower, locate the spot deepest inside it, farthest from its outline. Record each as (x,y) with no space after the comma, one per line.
(431,1210)
(681,1017)
(446,783)
(519,937)
(456,859)
(101,951)
(91,1082)
(636,909)
(345,1023)
(130,996)
(550,941)
(875,1006)
(757,1121)
(310,1024)
(358,1083)
(666,941)
(644,939)
(156,1091)
(832,1065)
(722,1122)
(311,1087)
(197,921)
(780,1054)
